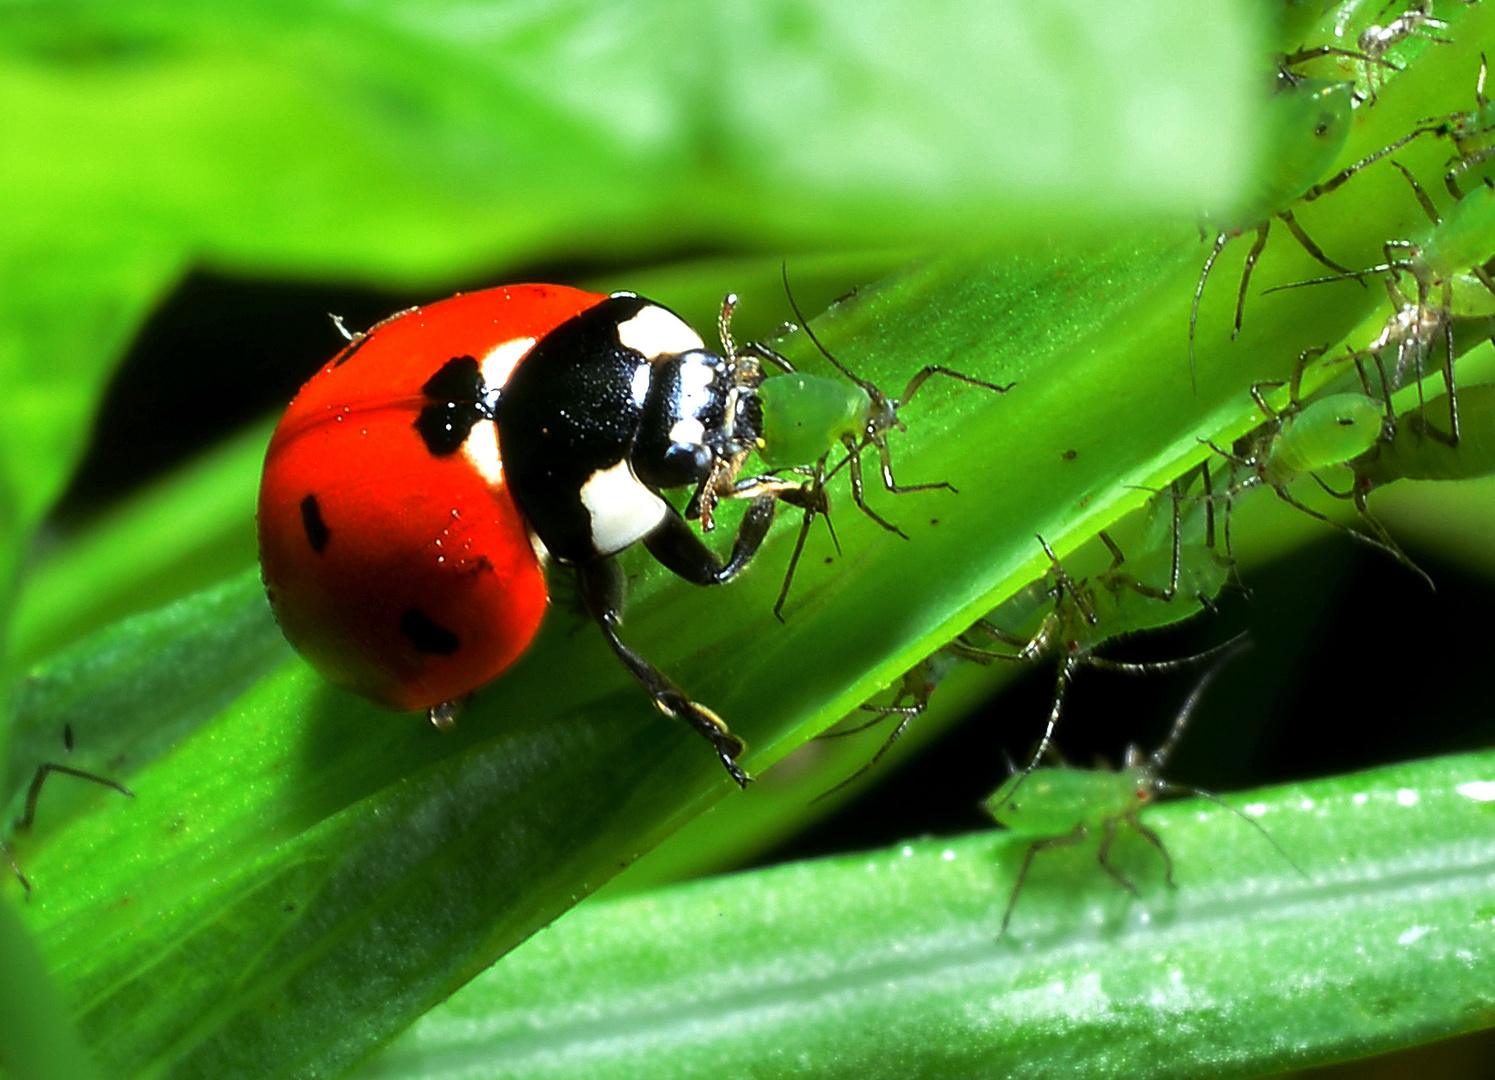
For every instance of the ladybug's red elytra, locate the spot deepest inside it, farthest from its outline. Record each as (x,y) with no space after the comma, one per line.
(418,482)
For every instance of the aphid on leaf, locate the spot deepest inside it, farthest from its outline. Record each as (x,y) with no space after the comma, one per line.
(1439,261)
(807,418)
(1176,572)
(1305,439)
(1055,806)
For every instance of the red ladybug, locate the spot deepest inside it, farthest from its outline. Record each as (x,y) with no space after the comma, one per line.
(417,484)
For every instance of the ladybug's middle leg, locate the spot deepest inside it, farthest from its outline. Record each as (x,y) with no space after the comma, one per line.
(600,583)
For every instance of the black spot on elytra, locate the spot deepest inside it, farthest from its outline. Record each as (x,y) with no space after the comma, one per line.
(317,533)
(457,390)
(427,635)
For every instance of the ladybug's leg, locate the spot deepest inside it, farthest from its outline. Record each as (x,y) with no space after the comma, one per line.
(601,585)
(681,551)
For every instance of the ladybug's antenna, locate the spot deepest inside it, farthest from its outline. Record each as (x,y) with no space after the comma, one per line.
(872,391)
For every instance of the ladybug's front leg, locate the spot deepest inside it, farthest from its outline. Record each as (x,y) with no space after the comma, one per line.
(600,583)
(684,553)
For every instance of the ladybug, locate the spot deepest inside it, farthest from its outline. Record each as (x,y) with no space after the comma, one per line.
(420,482)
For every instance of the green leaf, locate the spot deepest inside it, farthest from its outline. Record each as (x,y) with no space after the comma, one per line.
(39,1042)
(889,964)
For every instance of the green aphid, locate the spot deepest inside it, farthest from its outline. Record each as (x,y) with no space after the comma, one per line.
(805,415)
(806,418)
(1175,573)
(1056,807)
(1308,122)
(1446,262)
(1086,615)
(1306,439)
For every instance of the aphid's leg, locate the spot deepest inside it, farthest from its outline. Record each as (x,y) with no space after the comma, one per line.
(1066,584)
(1163,667)
(1348,171)
(1235,459)
(1117,555)
(46,769)
(600,583)
(1221,239)
(937,369)
(858,492)
(1472,161)
(815,505)
(1156,841)
(15,867)
(1028,650)
(1451,437)
(1266,410)
(908,713)
(1295,385)
(885,457)
(1061,687)
(1257,247)
(1069,839)
(1103,856)
(1422,196)
(1382,541)
(1315,51)
(1312,248)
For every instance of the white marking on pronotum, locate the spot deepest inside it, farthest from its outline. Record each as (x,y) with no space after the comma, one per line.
(498,365)
(656,332)
(639,387)
(623,510)
(1478,790)
(481,450)
(1406,797)
(689,431)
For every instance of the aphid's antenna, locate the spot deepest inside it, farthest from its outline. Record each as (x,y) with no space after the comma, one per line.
(1170,788)
(337,321)
(872,391)
(1233,648)
(1354,274)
